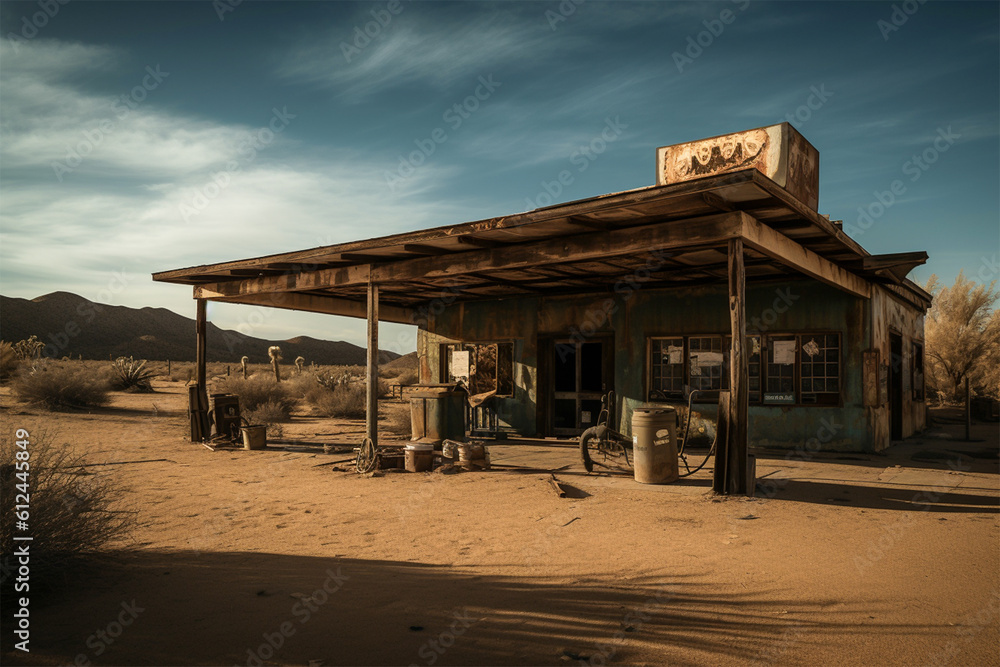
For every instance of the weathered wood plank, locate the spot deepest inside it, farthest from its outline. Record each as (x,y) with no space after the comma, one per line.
(736,469)
(371,415)
(713,229)
(779,247)
(328,305)
(201,342)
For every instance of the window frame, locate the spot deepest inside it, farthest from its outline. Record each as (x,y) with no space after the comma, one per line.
(824,399)
(445,360)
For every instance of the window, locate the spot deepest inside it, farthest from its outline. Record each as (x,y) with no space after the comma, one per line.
(820,368)
(666,364)
(917,371)
(782,369)
(705,362)
(487,366)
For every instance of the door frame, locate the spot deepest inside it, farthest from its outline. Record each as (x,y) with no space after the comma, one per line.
(545,420)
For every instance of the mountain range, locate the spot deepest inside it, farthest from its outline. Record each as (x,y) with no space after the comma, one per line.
(70,325)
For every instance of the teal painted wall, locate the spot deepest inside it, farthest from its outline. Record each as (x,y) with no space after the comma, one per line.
(632,315)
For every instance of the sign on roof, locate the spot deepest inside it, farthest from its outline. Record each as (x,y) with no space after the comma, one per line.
(777,151)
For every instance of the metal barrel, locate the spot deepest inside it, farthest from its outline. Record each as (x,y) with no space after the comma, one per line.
(654,445)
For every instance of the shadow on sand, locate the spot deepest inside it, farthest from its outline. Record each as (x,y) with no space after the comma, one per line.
(230,608)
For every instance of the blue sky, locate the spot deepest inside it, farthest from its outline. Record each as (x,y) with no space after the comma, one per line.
(139,137)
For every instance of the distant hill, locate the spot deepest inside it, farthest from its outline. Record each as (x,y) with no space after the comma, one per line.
(71,325)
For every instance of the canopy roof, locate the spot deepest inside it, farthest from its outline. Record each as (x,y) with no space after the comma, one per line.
(583,246)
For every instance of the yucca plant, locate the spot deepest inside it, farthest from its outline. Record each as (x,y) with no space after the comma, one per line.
(28,349)
(131,375)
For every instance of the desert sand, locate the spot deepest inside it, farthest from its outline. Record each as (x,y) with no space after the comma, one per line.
(269,557)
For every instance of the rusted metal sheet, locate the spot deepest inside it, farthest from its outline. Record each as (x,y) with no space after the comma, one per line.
(777,151)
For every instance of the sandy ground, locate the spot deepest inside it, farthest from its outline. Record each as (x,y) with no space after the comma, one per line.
(250,558)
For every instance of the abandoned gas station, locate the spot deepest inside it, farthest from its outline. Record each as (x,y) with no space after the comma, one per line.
(722,278)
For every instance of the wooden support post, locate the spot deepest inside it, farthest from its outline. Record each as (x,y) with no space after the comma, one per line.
(198,394)
(371,415)
(201,325)
(721,445)
(736,435)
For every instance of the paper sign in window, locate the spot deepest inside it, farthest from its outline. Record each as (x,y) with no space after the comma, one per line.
(460,364)
(784,352)
(675,354)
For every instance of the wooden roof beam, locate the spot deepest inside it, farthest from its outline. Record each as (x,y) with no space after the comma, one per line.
(420,249)
(708,230)
(784,250)
(328,305)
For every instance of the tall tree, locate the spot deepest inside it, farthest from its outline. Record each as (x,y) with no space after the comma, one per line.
(963,336)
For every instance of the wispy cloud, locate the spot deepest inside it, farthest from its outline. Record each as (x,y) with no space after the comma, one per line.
(422,49)
(123,210)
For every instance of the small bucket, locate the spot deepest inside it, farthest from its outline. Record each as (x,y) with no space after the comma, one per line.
(419,457)
(254,437)
(473,457)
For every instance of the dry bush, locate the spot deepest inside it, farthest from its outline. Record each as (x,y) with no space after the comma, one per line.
(75,514)
(300,385)
(9,361)
(398,419)
(269,414)
(61,385)
(407,377)
(257,391)
(346,401)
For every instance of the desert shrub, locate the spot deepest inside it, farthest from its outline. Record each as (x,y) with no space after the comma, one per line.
(407,377)
(257,391)
(127,374)
(269,414)
(346,401)
(59,385)
(300,385)
(75,515)
(9,361)
(398,419)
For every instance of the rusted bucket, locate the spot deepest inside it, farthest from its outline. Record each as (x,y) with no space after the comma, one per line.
(254,437)
(473,457)
(419,457)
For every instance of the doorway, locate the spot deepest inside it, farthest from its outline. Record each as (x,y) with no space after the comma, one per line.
(579,379)
(896,386)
